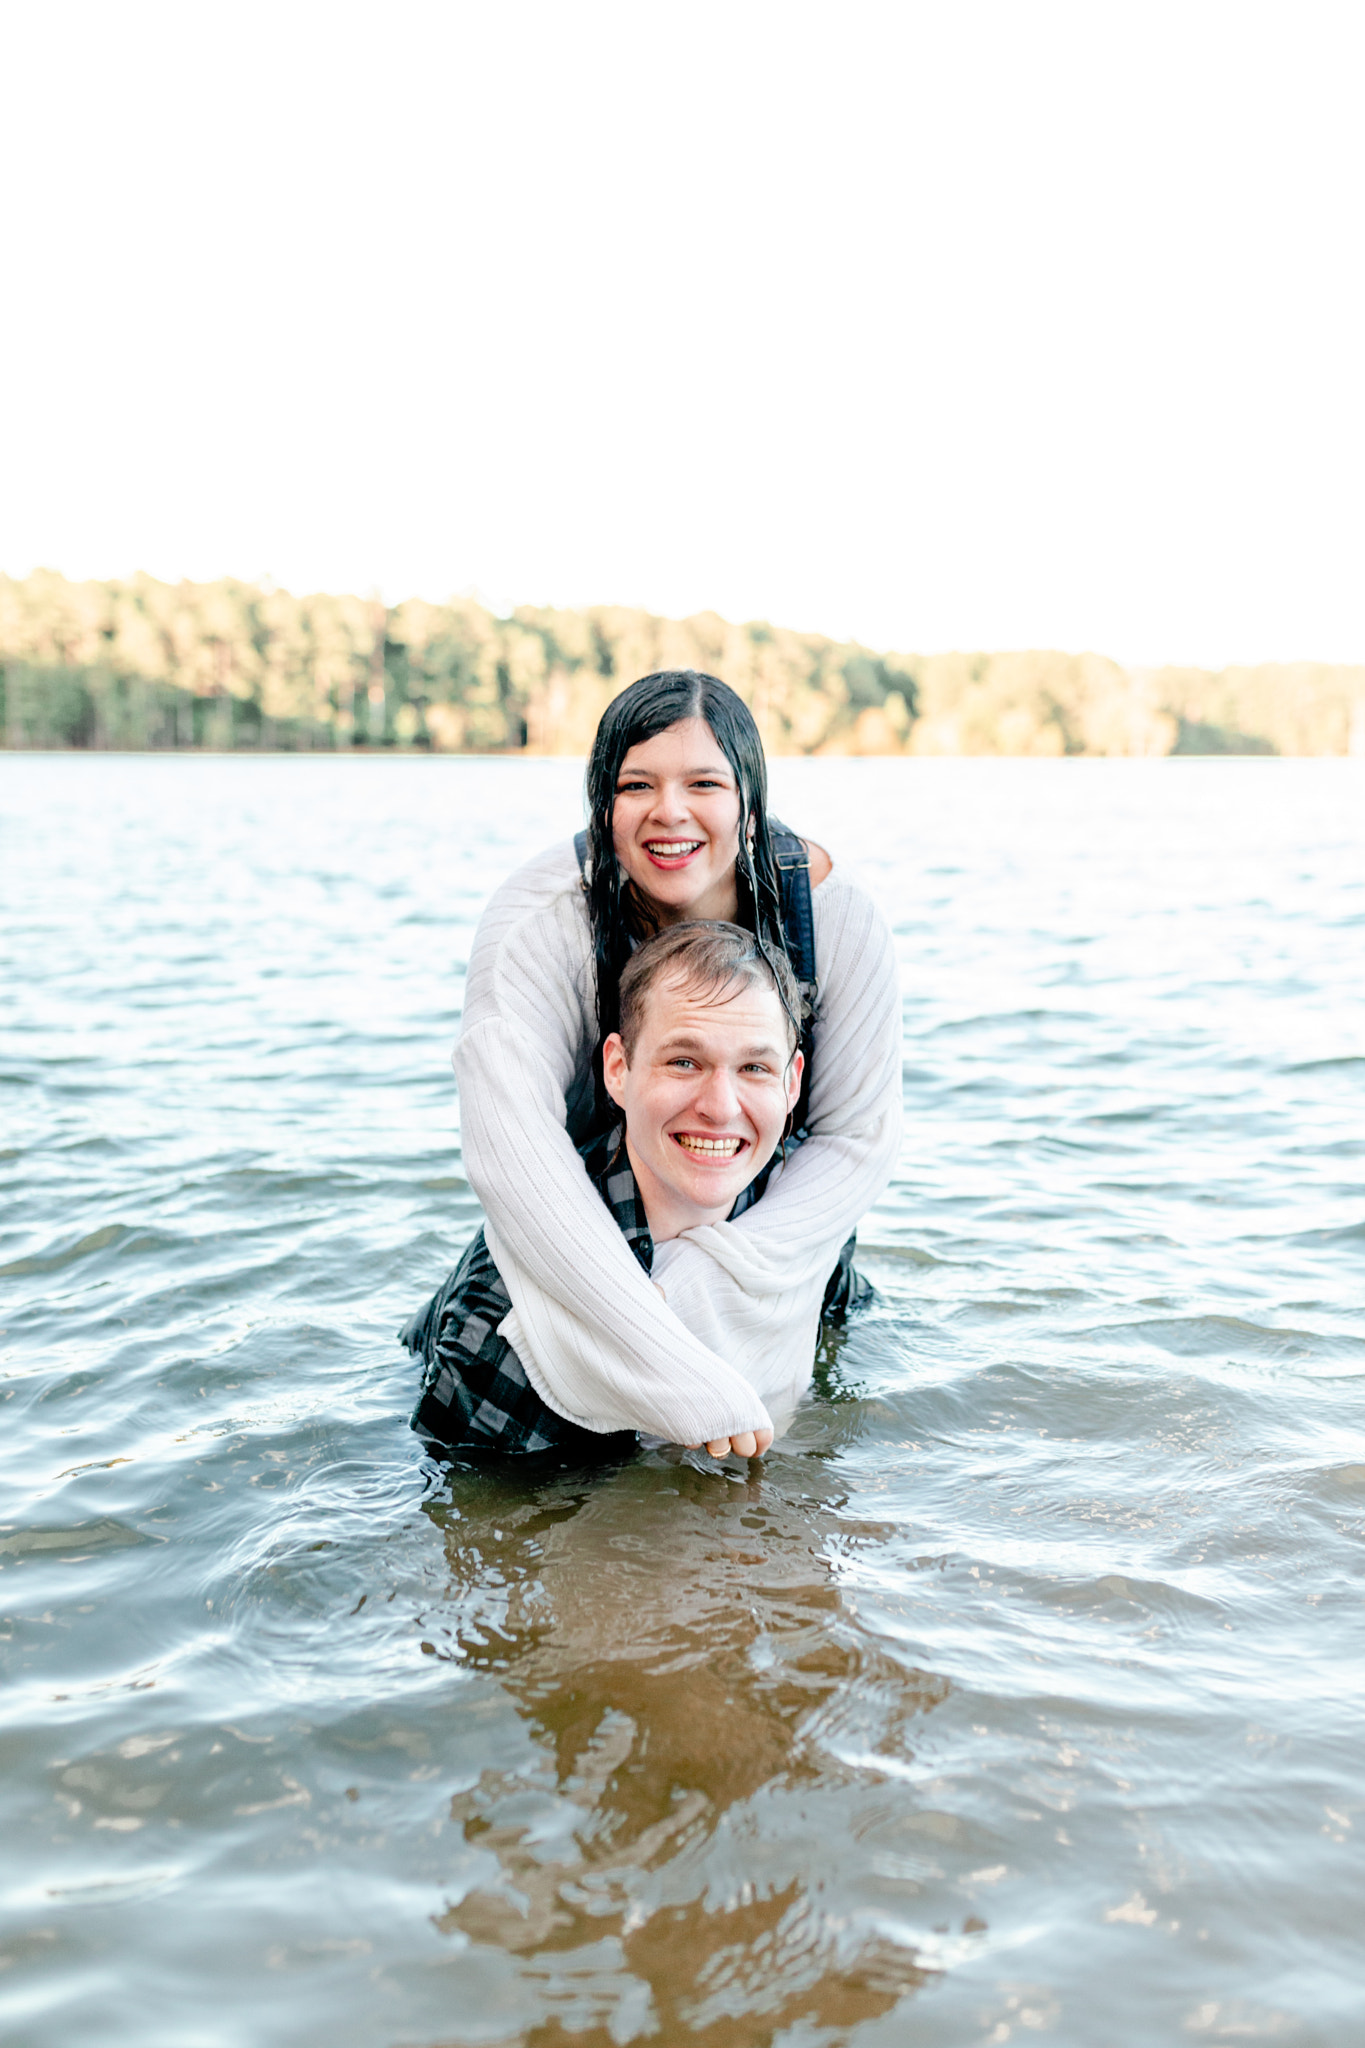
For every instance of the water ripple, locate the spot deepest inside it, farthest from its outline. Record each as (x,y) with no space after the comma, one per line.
(1017,1695)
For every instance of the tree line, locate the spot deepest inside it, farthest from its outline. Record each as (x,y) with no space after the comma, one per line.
(141,664)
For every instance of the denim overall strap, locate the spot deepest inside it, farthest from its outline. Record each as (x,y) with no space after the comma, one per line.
(798,929)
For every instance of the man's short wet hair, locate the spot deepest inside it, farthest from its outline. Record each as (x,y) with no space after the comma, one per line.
(705,955)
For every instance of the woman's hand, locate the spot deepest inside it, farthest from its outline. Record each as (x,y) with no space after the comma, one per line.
(750,1443)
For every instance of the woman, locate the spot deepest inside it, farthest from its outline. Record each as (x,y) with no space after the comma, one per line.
(725,1328)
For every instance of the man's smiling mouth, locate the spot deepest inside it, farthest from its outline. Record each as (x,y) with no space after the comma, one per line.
(708,1148)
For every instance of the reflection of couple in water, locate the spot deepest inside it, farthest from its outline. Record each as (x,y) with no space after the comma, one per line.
(679,1071)
(712,1832)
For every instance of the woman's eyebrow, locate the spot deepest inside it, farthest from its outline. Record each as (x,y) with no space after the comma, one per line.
(650,774)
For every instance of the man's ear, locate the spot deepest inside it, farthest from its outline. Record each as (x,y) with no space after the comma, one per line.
(614,1065)
(796,1068)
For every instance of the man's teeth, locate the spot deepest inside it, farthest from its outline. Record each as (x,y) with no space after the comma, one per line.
(712,1148)
(673,849)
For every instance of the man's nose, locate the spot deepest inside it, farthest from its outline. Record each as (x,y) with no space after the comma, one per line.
(717,1098)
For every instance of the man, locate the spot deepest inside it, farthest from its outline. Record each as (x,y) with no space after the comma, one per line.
(705,1070)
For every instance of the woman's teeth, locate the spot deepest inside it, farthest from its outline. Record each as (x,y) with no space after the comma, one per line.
(711,1148)
(671,849)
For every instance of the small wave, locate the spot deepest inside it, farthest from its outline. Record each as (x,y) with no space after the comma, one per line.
(1348,1479)
(1218,1336)
(79,1540)
(1348,1235)
(54,1261)
(1118,1591)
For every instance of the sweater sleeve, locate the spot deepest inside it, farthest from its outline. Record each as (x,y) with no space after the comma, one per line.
(714,1274)
(598,1342)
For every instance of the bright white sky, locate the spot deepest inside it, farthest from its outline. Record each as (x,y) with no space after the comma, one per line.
(983,323)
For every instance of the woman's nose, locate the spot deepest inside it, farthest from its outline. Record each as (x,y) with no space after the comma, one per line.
(670,803)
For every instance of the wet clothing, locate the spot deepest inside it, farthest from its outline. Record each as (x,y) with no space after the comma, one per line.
(731,1347)
(475,1393)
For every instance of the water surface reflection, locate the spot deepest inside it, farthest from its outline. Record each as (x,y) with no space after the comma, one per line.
(697,1689)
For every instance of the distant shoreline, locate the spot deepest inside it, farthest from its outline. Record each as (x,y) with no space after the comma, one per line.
(140,666)
(522,755)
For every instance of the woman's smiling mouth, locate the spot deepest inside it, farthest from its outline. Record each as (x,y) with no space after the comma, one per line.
(672,852)
(708,1148)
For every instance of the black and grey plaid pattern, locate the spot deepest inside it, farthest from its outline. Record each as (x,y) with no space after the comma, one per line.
(475,1393)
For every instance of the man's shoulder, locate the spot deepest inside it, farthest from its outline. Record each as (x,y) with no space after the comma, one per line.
(608,1167)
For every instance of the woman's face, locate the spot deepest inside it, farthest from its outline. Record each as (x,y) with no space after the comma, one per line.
(675,825)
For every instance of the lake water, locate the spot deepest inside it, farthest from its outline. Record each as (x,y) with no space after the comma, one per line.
(1017,1695)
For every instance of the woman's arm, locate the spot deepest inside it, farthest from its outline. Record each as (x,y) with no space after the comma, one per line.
(597,1340)
(795,1231)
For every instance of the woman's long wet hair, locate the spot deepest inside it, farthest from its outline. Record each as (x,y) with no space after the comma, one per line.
(616,911)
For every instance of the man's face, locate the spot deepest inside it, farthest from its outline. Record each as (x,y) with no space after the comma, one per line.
(707,1094)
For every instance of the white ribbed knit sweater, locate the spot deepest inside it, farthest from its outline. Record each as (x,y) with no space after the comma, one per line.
(731,1347)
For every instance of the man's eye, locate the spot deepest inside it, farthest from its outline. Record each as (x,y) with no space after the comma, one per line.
(680,1062)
